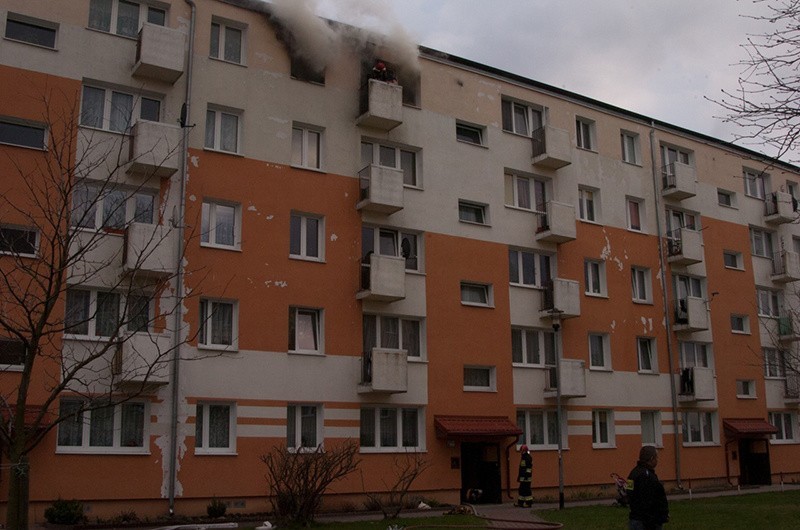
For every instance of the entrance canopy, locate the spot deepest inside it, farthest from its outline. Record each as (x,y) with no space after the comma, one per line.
(474,427)
(747,428)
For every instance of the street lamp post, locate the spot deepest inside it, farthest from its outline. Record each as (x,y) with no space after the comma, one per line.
(556,328)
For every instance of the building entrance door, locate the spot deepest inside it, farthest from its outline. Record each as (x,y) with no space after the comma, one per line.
(754,468)
(480,470)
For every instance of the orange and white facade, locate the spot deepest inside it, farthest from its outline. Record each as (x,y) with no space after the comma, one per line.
(406,264)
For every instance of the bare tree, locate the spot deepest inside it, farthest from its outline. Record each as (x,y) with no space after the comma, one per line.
(297,479)
(407,469)
(765,104)
(87,276)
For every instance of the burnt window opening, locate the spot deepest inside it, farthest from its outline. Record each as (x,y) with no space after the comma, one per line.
(12,352)
(302,70)
(407,78)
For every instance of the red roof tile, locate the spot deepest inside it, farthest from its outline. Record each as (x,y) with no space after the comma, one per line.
(748,426)
(477,426)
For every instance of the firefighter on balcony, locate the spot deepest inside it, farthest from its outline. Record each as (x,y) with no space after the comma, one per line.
(524,477)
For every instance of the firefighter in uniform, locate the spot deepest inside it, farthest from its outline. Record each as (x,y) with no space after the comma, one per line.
(525,496)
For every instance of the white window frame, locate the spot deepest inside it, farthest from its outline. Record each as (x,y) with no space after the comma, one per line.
(372,151)
(113,22)
(398,239)
(377,414)
(208,231)
(740,324)
(9,240)
(761,243)
(603,418)
(109,115)
(737,258)
(651,353)
(769,302)
(677,219)
(746,388)
(117,447)
(641,285)
(402,322)
(652,418)
(603,342)
(630,147)
(301,239)
(536,347)
(12,350)
(492,376)
(585,133)
(481,210)
(525,192)
(706,421)
(774,363)
(786,423)
(203,448)
(478,131)
(518,258)
(223,26)
(295,443)
(51,28)
(639,204)
(588,204)
(756,184)
(93,215)
(318,328)
(528,113)
(594,275)
(730,198)
(205,328)
(306,146)
(93,314)
(485,288)
(219,144)
(547,422)
(671,154)
(695,354)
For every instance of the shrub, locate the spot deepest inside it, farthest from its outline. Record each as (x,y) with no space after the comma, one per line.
(125,517)
(216,508)
(65,512)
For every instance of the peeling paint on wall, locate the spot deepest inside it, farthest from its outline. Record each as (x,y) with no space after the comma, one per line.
(252,208)
(647,325)
(193,197)
(269,217)
(195,160)
(334,237)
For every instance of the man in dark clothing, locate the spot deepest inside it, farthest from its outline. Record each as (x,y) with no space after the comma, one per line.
(524,477)
(648,500)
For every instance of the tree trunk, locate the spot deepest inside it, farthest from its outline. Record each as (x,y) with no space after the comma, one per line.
(17,512)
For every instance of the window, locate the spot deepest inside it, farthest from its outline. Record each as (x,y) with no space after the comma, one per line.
(687,286)
(519,118)
(650,421)
(226,42)
(761,242)
(584,130)
(390,242)
(774,363)
(22,134)
(215,428)
(786,423)
(672,155)
(599,351)
(479,378)
(112,110)
(222,130)
(677,219)
(303,427)
(740,324)
(769,303)
(471,134)
(732,260)
(528,268)
(726,198)
(402,158)
(391,429)
(630,147)
(476,294)
(396,333)
(755,184)
(602,428)
(594,276)
(527,193)
(97,206)
(699,428)
(217,324)
(92,313)
(635,213)
(640,284)
(305,330)
(103,428)
(745,388)
(303,70)
(646,351)
(18,241)
(220,225)
(12,352)
(306,147)
(31,30)
(695,354)
(471,212)
(122,17)
(587,204)
(306,236)
(539,428)
(532,347)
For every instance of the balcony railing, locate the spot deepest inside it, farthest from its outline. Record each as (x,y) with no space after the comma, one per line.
(679,181)
(690,314)
(384,370)
(560,298)
(684,246)
(380,105)
(383,278)
(780,207)
(557,223)
(551,147)
(785,266)
(380,189)
(573,379)
(696,383)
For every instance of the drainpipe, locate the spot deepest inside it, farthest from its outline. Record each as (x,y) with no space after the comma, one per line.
(663,269)
(508,468)
(180,221)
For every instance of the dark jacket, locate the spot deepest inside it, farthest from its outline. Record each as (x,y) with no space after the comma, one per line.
(648,500)
(525,468)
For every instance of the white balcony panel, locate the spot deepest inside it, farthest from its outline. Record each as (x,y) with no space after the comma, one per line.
(150,249)
(387,279)
(381,106)
(143,359)
(384,371)
(160,53)
(381,189)
(552,148)
(573,380)
(155,149)
(558,223)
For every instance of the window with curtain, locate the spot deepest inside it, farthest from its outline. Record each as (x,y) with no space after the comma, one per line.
(214,424)
(217,320)
(102,427)
(389,429)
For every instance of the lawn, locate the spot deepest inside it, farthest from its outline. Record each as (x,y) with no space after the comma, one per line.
(755,511)
(459,520)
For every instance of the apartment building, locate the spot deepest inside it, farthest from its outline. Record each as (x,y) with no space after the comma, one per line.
(449,261)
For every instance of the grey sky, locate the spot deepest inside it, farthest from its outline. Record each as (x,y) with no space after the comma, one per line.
(659,58)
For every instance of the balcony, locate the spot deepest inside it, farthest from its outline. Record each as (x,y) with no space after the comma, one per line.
(380,105)
(679,181)
(381,189)
(791,389)
(384,371)
(696,384)
(786,267)
(561,299)
(684,247)
(573,380)
(552,148)
(155,149)
(149,250)
(787,331)
(780,208)
(160,53)
(383,279)
(557,223)
(691,314)
(143,359)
